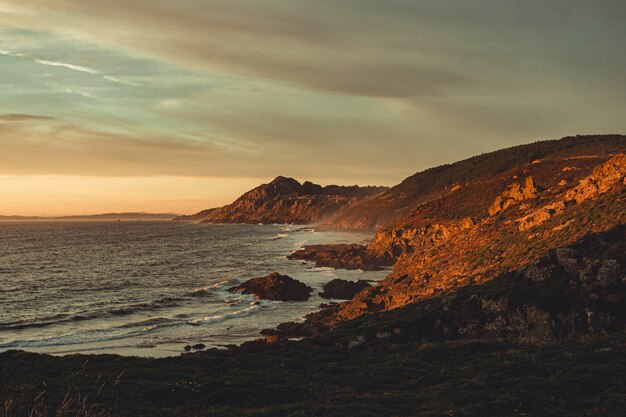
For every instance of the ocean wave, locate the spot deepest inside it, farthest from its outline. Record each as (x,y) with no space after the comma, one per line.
(67,318)
(279,236)
(206,290)
(81,337)
(225,316)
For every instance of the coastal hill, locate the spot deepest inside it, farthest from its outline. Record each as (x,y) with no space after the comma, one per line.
(437,182)
(483,231)
(285,200)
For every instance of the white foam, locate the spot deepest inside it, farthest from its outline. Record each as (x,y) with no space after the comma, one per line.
(221,317)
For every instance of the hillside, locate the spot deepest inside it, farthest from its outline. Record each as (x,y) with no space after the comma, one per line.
(433,183)
(285,200)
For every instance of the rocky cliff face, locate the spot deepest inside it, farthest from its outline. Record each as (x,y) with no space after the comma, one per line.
(285,200)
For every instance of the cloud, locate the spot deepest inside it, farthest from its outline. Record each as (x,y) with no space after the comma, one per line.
(118,80)
(73,67)
(370,88)
(323,46)
(168,104)
(22,117)
(11,54)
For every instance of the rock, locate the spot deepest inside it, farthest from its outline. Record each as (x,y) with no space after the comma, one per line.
(188,348)
(342,289)
(357,341)
(274,339)
(348,256)
(275,287)
(539,216)
(513,194)
(604,177)
(198,346)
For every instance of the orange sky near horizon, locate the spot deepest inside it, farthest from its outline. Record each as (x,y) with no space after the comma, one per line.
(69,195)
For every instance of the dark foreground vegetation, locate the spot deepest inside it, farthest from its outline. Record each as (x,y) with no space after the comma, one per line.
(573,378)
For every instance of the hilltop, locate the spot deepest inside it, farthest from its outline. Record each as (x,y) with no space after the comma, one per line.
(285,200)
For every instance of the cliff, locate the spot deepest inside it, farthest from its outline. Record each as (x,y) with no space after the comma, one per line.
(285,200)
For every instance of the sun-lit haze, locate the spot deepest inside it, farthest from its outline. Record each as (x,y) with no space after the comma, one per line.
(177,106)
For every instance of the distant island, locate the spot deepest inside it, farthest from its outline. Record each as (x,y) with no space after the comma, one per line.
(96,217)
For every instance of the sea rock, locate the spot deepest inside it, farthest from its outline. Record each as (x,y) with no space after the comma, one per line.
(198,346)
(342,289)
(275,287)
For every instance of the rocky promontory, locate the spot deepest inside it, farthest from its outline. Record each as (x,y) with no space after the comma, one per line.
(285,200)
(346,256)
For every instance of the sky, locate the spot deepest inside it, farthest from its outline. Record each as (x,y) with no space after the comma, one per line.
(177,106)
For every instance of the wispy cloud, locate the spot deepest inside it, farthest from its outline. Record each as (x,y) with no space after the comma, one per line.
(22,117)
(11,54)
(118,80)
(73,67)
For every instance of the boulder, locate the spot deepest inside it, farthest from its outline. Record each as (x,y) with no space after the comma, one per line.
(275,287)
(342,289)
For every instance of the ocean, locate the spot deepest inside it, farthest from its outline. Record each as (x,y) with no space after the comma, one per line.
(149,288)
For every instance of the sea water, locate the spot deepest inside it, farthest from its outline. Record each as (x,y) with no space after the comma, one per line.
(149,288)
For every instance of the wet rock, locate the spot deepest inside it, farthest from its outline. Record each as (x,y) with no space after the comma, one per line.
(187,348)
(275,287)
(198,346)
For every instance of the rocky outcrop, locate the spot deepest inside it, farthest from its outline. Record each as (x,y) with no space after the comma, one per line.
(285,200)
(606,176)
(346,256)
(513,194)
(343,290)
(275,287)
(610,175)
(391,243)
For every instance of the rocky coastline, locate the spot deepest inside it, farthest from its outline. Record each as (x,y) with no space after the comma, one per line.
(507,270)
